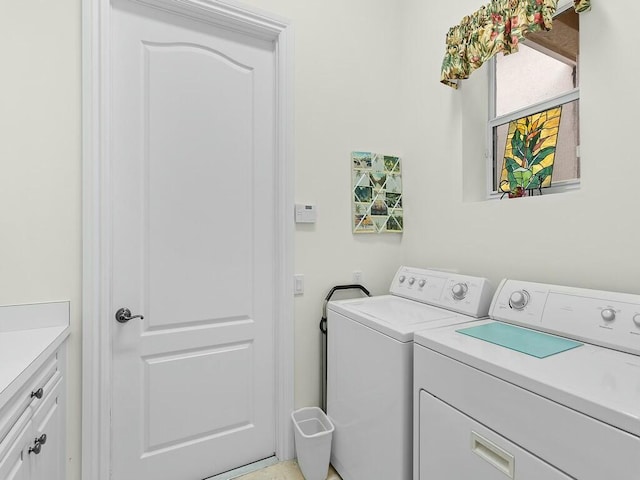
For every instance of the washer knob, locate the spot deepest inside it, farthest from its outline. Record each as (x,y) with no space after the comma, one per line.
(636,319)
(402,278)
(412,281)
(518,300)
(459,291)
(422,283)
(609,314)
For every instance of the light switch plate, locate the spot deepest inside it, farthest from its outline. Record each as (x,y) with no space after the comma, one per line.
(298,284)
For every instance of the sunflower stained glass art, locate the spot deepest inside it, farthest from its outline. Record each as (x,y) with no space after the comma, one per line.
(530,152)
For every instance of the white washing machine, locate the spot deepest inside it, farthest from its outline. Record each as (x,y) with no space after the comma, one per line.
(370,366)
(559,399)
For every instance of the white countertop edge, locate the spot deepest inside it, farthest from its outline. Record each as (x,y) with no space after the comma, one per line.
(28,368)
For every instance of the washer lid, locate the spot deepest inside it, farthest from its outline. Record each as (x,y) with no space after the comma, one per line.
(597,381)
(395,316)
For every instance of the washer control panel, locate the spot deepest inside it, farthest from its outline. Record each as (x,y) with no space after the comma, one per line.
(611,319)
(458,293)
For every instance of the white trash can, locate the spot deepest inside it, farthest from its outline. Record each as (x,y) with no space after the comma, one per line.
(313,432)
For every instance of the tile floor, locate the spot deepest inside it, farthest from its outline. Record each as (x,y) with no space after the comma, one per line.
(283,471)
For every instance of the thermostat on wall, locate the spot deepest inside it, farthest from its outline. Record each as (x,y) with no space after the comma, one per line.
(306,213)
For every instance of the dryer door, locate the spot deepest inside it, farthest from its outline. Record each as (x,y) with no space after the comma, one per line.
(453,445)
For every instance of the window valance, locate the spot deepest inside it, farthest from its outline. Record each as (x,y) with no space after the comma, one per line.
(497,27)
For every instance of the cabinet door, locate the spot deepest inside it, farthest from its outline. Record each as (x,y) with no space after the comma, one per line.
(49,463)
(14,462)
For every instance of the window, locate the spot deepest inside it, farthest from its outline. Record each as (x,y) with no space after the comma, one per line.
(541,77)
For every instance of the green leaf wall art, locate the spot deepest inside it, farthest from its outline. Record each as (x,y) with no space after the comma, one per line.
(376,193)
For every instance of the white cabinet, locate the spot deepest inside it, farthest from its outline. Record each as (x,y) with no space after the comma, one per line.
(49,433)
(34,447)
(14,460)
(32,403)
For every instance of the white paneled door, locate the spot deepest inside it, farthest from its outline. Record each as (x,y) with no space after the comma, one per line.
(192,176)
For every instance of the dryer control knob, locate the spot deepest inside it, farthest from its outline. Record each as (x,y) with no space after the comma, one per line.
(412,281)
(402,278)
(636,319)
(459,291)
(608,314)
(422,283)
(518,300)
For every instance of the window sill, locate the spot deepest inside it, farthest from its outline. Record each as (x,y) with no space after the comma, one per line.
(559,187)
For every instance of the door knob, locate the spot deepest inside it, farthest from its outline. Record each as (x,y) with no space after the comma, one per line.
(38,393)
(37,447)
(123,315)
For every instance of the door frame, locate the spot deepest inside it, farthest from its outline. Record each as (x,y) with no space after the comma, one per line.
(97,220)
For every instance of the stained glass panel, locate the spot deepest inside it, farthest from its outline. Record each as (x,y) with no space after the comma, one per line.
(529,152)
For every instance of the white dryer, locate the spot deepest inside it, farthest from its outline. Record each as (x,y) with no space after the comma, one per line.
(370,366)
(559,399)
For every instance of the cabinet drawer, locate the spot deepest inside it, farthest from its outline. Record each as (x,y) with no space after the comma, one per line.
(47,421)
(14,461)
(53,390)
(15,407)
(17,437)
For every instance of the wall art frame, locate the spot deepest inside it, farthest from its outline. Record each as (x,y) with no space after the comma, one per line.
(377,203)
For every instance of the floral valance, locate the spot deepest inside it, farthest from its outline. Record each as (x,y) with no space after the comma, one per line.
(496,27)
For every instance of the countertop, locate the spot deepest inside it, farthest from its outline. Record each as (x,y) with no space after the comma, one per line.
(29,334)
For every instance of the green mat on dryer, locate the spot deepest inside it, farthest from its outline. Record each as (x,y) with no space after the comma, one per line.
(531,342)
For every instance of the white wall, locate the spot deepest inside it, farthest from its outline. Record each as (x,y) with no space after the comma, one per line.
(367,76)
(40,180)
(588,238)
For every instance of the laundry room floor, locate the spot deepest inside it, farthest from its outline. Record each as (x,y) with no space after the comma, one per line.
(283,471)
